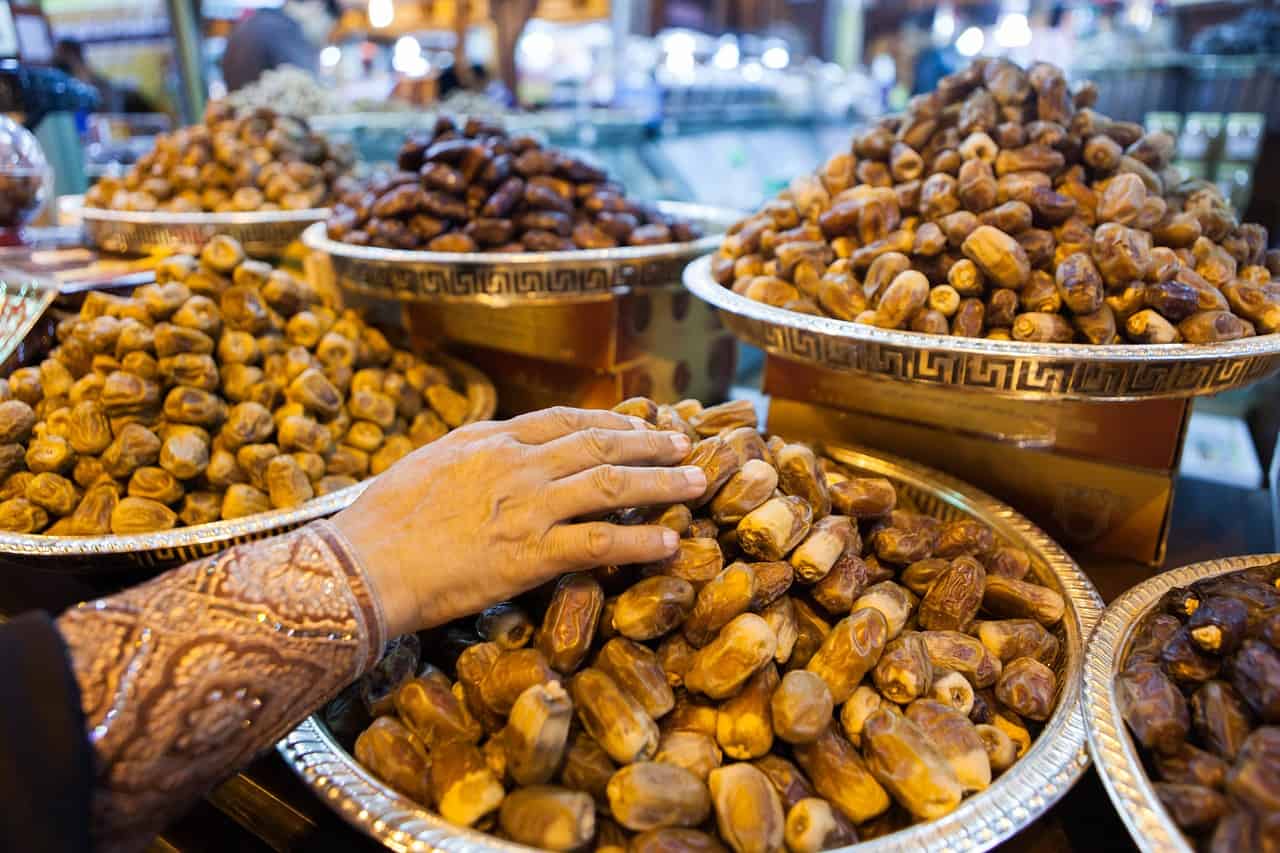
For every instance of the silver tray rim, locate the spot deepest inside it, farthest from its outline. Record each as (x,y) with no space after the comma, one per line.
(316,239)
(480,392)
(205,218)
(1112,748)
(1056,760)
(698,280)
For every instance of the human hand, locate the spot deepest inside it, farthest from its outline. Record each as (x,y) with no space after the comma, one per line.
(486,512)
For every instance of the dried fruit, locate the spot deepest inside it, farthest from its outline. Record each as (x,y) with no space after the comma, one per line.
(569,625)
(536,733)
(743,647)
(462,785)
(396,756)
(849,651)
(902,759)
(904,671)
(649,795)
(773,529)
(1153,707)
(813,825)
(1028,687)
(744,724)
(956,739)
(653,607)
(548,818)
(748,812)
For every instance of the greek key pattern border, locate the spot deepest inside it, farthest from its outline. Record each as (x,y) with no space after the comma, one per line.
(1051,371)
(1112,748)
(1007,374)
(1053,764)
(478,280)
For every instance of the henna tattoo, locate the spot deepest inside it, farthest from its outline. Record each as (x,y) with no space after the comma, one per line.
(185,678)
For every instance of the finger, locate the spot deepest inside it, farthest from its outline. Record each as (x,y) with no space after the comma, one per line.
(590,447)
(559,421)
(580,546)
(608,487)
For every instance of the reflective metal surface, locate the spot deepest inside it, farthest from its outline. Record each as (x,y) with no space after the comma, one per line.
(23,300)
(1110,744)
(263,233)
(1009,368)
(1024,792)
(84,555)
(504,278)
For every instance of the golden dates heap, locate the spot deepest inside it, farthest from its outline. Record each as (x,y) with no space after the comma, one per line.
(819,662)
(224,389)
(1201,694)
(1001,205)
(236,161)
(471,187)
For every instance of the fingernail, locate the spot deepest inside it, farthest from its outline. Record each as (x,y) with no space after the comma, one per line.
(694,476)
(670,539)
(638,423)
(680,442)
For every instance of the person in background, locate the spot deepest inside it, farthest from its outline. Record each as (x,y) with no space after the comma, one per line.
(117,715)
(291,34)
(68,56)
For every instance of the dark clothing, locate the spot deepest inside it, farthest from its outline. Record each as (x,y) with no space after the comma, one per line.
(46,770)
(266,39)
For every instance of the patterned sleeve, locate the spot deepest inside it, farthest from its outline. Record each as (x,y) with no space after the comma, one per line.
(187,677)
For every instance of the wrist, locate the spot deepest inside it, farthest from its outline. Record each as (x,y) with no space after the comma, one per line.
(393,598)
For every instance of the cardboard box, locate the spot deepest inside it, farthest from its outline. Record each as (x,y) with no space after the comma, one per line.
(524,384)
(1146,433)
(602,334)
(1103,507)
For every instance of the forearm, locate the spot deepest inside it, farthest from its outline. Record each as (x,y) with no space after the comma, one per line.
(185,678)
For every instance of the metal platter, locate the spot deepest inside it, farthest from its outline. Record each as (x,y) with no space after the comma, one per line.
(1008,368)
(264,233)
(101,555)
(1052,765)
(506,278)
(1113,750)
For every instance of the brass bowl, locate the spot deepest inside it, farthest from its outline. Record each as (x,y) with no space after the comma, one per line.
(106,555)
(1020,795)
(507,278)
(1008,368)
(1118,761)
(263,233)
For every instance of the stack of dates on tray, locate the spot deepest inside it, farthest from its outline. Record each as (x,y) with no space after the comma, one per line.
(1002,205)
(226,388)
(236,161)
(819,662)
(474,188)
(1201,694)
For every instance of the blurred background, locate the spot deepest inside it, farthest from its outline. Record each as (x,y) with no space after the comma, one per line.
(721,101)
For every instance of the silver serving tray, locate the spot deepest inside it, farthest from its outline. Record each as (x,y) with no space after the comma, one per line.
(1116,755)
(1048,770)
(105,555)
(506,278)
(1008,368)
(264,233)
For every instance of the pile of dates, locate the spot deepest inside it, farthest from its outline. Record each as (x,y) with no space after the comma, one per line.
(1201,693)
(820,662)
(1001,205)
(474,188)
(227,388)
(235,162)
